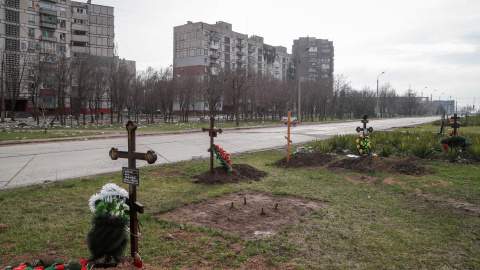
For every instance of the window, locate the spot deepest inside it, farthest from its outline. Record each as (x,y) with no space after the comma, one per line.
(31,17)
(47,33)
(31,3)
(62,36)
(31,58)
(63,10)
(79,43)
(80,10)
(47,45)
(31,45)
(31,72)
(63,24)
(47,6)
(48,18)
(31,32)
(62,48)
(80,32)
(79,21)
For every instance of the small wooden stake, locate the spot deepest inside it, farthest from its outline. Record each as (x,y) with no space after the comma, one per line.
(244,200)
(276,205)
(231,205)
(262,213)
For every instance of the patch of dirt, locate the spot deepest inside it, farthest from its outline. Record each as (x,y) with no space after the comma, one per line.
(240,173)
(456,205)
(366,164)
(245,220)
(305,160)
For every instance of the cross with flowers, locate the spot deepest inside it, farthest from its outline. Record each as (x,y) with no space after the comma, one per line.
(212,132)
(455,124)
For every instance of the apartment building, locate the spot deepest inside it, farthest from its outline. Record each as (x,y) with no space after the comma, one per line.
(314,59)
(45,30)
(203,49)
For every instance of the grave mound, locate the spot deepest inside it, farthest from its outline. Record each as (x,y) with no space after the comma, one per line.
(245,218)
(240,173)
(369,164)
(305,160)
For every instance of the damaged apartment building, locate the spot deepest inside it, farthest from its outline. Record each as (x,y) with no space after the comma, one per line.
(47,30)
(206,49)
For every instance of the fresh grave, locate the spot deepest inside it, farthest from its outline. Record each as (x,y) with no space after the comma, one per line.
(228,172)
(249,214)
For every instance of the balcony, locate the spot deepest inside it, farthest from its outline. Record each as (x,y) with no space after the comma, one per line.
(48,25)
(214,46)
(215,37)
(240,62)
(240,45)
(48,12)
(214,56)
(240,53)
(54,39)
(214,64)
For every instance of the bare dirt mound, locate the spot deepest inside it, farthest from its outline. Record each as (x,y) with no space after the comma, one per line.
(366,164)
(240,173)
(246,220)
(305,160)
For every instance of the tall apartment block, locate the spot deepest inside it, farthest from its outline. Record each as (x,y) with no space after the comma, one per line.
(314,59)
(203,49)
(50,28)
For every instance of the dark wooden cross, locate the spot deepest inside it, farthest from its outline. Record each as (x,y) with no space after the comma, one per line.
(212,133)
(132,156)
(365,130)
(288,122)
(455,124)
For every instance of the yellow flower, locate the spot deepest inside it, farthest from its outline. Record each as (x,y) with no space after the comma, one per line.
(361,136)
(358,141)
(358,146)
(361,151)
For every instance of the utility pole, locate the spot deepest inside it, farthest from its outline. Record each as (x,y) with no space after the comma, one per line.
(2,109)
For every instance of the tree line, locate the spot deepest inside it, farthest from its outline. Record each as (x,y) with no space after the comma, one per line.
(91,84)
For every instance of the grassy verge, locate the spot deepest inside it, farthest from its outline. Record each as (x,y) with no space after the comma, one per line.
(370,226)
(40,134)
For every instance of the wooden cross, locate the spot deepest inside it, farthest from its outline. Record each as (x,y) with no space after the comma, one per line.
(288,122)
(212,133)
(365,130)
(455,124)
(132,156)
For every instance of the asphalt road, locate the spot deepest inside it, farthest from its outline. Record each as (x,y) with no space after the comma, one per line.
(28,164)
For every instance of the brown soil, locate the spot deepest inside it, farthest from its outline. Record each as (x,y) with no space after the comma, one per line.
(305,160)
(246,220)
(408,165)
(240,173)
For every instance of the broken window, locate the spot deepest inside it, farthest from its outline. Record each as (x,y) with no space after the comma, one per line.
(31,17)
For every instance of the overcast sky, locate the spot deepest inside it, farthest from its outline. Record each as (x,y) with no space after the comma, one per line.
(418,43)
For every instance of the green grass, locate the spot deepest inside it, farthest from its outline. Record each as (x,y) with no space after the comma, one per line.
(40,134)
(368,226)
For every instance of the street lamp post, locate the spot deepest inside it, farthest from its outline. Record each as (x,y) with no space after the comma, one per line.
(376,107)
(431,95)
(299,120)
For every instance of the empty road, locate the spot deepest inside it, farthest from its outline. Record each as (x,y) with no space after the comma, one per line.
(28,164)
